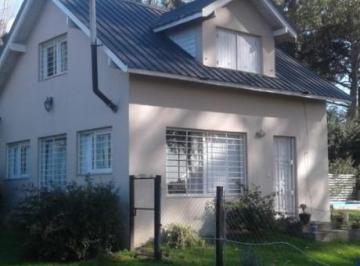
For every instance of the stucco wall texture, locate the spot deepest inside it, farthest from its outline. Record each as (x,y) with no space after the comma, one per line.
(147,106)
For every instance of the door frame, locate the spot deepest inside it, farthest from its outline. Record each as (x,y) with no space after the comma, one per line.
(295,175)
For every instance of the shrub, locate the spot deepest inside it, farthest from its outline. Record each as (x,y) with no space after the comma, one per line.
(76,223)
(338,220)
(251,212)
(290,226)
(343,166)
(180,237)
(355,225)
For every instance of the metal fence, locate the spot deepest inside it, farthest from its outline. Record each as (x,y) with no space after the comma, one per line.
(238,233)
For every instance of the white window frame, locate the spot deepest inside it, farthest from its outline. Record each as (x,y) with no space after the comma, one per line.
(259,67)
(94,171)
(18,145)
(42,184)
(61,66)
(205,192)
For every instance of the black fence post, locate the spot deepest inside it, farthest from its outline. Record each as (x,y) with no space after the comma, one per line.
(131,212)
(157,217)
(219,226)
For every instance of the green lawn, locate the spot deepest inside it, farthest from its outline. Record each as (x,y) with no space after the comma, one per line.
(335,254)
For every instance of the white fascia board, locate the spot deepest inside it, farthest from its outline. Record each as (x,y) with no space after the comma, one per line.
(178,22)
(14,31)
(83,28)
(18,48)
(231,85)
(208,10)
(204,13)
(280,18)
(280,32)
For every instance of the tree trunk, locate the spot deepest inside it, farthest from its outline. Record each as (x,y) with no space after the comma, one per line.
(354,78)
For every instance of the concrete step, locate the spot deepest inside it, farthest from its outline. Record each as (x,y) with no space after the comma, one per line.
(324,226)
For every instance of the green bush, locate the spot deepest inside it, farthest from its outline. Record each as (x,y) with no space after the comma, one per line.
(290,226)
(76,223)
(338,220)
(251,212)
(343,167)
(180,237)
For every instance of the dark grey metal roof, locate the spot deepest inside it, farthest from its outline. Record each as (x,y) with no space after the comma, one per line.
(125,27)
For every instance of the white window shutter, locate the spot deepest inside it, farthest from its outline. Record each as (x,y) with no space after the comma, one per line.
(226,49)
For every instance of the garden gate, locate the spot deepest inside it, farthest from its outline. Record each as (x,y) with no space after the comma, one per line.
(142,184)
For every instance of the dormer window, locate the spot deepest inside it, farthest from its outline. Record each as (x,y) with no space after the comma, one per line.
(239,51)
(53,57)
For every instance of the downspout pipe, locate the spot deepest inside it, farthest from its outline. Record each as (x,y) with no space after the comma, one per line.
(94,59)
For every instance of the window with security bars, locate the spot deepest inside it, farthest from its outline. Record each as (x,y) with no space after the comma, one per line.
(95,152)
(53,57)
(53,162)
(199,161)
(18,160)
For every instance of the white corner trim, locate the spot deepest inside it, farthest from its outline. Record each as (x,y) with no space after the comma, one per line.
(16,47)
(15,31)
(178,22)
(230,85)
(83,28)
(280,32)
(280,18)
(208,10)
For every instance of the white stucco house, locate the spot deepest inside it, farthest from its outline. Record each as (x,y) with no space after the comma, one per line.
(199,95)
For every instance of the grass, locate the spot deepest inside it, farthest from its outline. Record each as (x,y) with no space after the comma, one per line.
(335,254)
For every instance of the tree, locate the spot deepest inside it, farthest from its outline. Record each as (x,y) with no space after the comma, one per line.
(5,16)
(329,41)
(168,4)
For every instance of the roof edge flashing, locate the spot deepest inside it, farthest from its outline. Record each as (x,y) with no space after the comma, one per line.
(235,86)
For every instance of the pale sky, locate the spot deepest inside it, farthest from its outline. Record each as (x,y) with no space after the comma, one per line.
(14,8)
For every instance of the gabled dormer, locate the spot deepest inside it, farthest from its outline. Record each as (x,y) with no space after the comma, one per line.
(231,34)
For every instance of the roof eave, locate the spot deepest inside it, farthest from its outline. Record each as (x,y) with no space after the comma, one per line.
(234,85)
(286,28)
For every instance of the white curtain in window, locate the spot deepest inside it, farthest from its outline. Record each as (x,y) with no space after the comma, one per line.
(249,50)
(86,149)
(226,49)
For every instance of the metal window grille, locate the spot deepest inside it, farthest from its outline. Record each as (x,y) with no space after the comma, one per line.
(18,160)
(95,152)
(53,162)
(199,161)
(53,57)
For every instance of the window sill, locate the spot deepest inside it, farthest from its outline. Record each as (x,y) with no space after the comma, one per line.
(53,77)
(199,196)
(23,178)
(96,174)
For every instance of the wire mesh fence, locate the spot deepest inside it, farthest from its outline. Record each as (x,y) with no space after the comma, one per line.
(253,232)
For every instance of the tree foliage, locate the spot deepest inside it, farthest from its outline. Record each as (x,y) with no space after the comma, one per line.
(329,40)
(344,142)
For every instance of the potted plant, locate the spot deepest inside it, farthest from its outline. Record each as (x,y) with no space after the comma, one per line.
(304,216)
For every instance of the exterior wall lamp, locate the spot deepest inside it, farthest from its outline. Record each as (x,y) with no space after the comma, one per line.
(49,104)
(260,134)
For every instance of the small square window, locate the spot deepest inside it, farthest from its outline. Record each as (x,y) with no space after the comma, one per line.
(95,152)
(18,160)
(53,57)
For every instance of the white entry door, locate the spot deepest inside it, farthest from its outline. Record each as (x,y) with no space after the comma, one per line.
(284,154)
